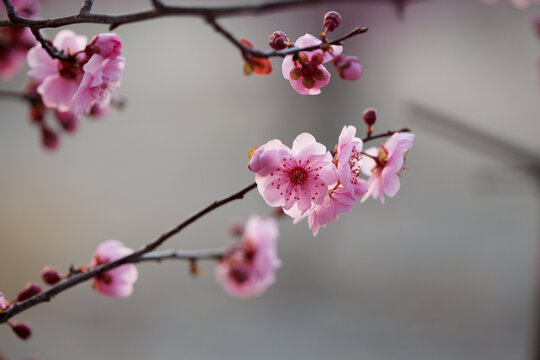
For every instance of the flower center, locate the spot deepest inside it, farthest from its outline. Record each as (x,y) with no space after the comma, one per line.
(298,175)
(69,70)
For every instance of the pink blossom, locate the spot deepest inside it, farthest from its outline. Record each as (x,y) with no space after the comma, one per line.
(16,41)
(119,281)
(249,268)
(337,202)
(293,178)
(101,77)
(385,165)
(108,45)
(348,67)
(349,159)
(3,302)
(58,80)
(305,72)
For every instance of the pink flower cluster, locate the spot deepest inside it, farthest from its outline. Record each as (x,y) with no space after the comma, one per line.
(16,41)
(83,85)
(308,181)
(248,269)
(119,281)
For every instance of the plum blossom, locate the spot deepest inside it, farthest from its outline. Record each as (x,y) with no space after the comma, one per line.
(348,67)
(338,201)
(297,177)
(102,74)
(87,81)
(305,71)
(58,80)
(384,164)
(15,41)
(248,269)
(119,281)
(349,158)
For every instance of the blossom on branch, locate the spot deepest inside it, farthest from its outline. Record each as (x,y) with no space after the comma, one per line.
(383,165)
(305,71)
(119,281)
(253,64)
(248,269)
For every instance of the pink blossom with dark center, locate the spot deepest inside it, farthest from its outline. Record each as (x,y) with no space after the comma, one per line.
(248,269)
(384,165)
(119,281)
(297,177)
(305,72)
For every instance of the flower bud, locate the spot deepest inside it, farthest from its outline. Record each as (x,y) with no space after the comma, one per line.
(37,112)
(279,40)
(348,67)
(49,139)
(28,291)
(331,21)
(22,329)
(67,120)
(370,116)
(50,275)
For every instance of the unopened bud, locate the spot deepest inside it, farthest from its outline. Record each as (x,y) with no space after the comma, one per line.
(67,120)
(370,116)
(348,67)
(331,21)
(28,291)
(279,40)
(22,329)
(236,228)
(50,275)
(49,139)
(37,112)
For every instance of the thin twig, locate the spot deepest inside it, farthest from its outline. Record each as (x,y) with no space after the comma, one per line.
(16,95)
(87,7)
(158,256)
(386,134)
(50,49)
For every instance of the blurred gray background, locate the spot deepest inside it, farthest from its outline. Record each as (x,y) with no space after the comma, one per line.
(445,270)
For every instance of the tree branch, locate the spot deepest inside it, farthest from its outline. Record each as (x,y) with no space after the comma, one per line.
(145,254)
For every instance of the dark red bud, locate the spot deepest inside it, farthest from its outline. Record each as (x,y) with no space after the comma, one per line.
(49,138)
(22,329)
(279,40)
(370,116)
(28,291)
(331,21)
(50,275)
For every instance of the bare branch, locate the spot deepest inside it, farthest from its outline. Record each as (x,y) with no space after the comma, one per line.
(87,6)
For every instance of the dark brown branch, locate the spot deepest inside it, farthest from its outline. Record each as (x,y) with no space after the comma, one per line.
(145,253)
(49,47)
(15,95)
(87,6)
(137,256)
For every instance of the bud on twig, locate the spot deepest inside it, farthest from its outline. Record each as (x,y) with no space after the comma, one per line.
(50,275)
(279,40)
(22,329)
(331,21)
(28,291)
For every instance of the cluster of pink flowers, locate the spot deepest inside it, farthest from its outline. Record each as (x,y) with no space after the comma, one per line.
(307,181)
(83,85)
(248,269)
(16,41)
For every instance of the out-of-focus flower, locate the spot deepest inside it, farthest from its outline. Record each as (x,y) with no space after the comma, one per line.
(305,71)
(3,302)
(15,41)
(22,329)
(348,67)
(385,164)
(248,269)
(119,281)
(293,178)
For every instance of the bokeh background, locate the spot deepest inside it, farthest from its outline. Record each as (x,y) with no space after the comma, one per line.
(446,270)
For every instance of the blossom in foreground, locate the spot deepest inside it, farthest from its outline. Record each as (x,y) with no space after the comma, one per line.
(338,201)
(305,71)
(76,86)
(15,41)
(248,269)
(297,177)
(119,281)
(384,164)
